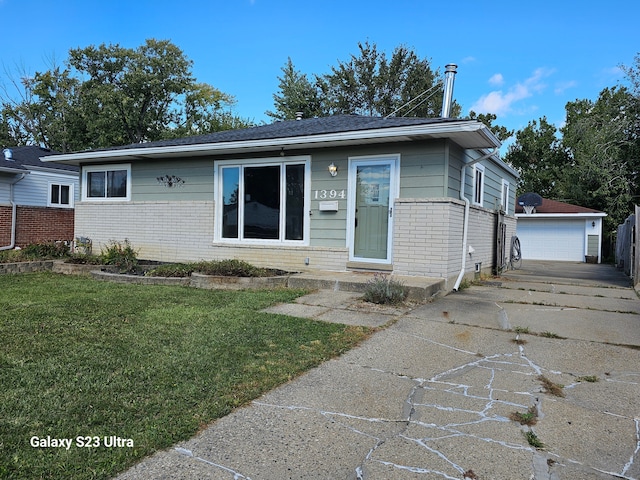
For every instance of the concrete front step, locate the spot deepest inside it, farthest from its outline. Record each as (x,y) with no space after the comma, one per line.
(420,289)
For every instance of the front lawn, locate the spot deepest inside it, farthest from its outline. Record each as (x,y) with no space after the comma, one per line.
(121,371)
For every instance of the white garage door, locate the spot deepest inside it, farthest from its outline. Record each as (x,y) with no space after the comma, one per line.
(551,239)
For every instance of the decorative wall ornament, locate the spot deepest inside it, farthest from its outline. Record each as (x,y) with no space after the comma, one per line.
(170,181)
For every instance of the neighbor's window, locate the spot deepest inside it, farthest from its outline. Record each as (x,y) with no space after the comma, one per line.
(111,182)
(478,184)
(262,202)
(505,196)
(60,195)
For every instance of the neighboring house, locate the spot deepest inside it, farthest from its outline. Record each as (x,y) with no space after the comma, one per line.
(336,193)
(560,231)
(36,198)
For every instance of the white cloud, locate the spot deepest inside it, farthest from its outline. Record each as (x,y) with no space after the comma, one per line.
(610,75)
(562,87)
(497,80)
(501,103)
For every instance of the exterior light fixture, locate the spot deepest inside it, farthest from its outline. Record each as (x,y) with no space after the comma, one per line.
(593,224)
(333,170)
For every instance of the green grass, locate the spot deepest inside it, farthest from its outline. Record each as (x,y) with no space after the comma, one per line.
(153,364)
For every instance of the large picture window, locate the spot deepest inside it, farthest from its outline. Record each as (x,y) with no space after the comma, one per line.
(262,201)
(111,182)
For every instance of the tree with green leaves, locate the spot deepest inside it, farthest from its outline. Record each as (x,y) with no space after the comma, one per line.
(296,95)
(369,83)
(593,160)
(110,95)
(501,132)
(539,158)
(601,139)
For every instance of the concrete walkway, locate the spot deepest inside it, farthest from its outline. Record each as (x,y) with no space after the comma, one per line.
(432,394)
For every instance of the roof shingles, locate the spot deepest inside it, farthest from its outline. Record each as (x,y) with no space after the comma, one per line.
(554,206)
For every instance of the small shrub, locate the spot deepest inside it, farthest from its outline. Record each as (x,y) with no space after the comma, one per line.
(121,255)
(171,270)
(232,268)
(46,250)
(35,251)
(84,259)
(11,256)
(383,290)
(588,378)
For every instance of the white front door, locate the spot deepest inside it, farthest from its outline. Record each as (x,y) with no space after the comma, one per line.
(372,188)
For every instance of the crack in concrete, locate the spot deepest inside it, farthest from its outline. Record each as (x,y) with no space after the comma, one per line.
(417,404)
(188,453)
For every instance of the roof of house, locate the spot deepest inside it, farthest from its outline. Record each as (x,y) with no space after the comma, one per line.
(298,128)
(556,207)
(338,130)
(26,158)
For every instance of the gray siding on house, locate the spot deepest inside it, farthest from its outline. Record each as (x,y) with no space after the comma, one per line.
(421,176)
(4,191)
(196,175)
(33,189)
(454,165)
(422,170)
(328,229)
(493,176)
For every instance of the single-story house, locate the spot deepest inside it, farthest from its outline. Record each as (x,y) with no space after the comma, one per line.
(36,198)
(408,196)
(560,231)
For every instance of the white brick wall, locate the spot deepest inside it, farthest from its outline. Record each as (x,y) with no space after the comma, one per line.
(428,238)
(166,231)
(183,231)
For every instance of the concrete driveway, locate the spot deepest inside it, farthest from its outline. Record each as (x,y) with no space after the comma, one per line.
(437,394)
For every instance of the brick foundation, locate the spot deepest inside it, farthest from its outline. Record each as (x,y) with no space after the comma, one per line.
(36,225)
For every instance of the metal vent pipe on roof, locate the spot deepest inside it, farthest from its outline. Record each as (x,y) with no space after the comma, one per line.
(447,99)
(299,115)
(8,154)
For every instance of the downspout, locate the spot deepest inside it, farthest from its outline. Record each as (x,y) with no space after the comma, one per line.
(465,223)
(14,215)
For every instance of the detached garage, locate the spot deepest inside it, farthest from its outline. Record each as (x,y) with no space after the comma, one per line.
(559,231)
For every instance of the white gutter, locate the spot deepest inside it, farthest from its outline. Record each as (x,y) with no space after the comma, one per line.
(14,215)
(560,215)
(465,224)
(439,130)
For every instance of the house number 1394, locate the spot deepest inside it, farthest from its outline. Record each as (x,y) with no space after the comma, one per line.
(324,194)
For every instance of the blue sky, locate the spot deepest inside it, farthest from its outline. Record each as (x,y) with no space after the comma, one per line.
(519,60)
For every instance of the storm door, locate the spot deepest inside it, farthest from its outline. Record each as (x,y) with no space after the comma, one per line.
(372,192)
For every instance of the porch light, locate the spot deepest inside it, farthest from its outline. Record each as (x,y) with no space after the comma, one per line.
(333,170)
(593,224)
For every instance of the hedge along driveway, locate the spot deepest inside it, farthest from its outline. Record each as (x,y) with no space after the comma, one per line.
(131,369)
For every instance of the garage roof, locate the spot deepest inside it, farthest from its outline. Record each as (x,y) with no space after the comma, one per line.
(555,207)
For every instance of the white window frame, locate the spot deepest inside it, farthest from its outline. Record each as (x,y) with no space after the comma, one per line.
(478,194)
(59,185)
(105,168)
(263,162)
(504,200)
